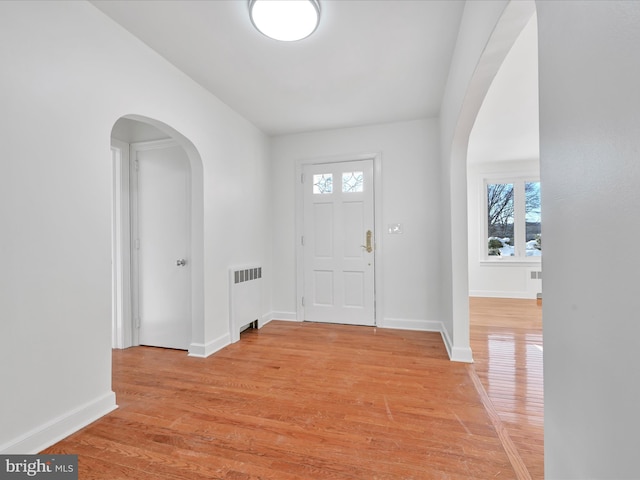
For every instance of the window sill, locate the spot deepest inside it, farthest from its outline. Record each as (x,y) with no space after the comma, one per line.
(512,262)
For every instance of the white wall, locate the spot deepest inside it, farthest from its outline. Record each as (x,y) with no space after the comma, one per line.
(410,193)
(493,279)
(590,172)
(68,74)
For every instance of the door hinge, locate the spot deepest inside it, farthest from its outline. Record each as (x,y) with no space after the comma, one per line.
(302,178)
(136,165)
(303,301)
(137,244)
(137,322)
(302,240)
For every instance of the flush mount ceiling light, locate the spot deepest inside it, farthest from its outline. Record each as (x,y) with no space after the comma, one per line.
(285,20)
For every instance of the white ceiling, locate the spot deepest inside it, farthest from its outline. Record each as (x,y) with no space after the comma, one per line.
(369,61)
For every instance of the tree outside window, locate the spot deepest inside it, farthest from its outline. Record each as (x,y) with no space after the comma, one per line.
(514,220)
(533,219)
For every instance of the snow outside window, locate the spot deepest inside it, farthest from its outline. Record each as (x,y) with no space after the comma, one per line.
(513,226)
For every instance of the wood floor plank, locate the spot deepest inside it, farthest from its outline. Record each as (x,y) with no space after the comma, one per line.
(506,339)
(296,401)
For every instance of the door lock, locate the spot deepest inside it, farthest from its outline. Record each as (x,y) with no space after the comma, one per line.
(181,262)
(368,246)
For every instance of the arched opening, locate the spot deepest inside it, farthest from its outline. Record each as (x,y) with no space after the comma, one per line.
(514,18)
(131,134)
(503,171)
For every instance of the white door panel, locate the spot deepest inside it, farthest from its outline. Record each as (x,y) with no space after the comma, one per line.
(338,269)
(353,228)
(164,293)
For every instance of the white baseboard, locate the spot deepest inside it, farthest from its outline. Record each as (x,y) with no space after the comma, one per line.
(61,427)
(463,355)
(286,316)
(203,350)
(456,354)
(501,294)
(411,324)
(264,320)
(447,340)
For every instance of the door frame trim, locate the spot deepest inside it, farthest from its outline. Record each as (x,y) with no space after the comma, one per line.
(378,294)
(121,247)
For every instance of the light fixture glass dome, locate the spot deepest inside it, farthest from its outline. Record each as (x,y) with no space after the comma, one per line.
(285,20)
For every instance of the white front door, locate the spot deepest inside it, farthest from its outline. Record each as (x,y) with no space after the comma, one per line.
(161,229)
(338,242)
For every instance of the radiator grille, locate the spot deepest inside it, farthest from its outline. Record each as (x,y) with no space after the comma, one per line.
(247,274)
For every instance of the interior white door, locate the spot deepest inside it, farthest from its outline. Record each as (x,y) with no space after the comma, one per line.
(339,243)
(162,220)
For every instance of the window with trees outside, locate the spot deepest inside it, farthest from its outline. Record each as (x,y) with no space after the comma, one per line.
(514,219)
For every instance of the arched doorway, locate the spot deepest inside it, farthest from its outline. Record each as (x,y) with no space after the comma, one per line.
(129,135)
(513,19)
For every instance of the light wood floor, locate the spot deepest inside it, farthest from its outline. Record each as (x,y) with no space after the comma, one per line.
(311,401)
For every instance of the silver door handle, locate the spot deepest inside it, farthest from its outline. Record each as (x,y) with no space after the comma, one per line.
(181,262)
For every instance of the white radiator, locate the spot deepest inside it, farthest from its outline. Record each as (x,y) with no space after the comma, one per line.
(245,292)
